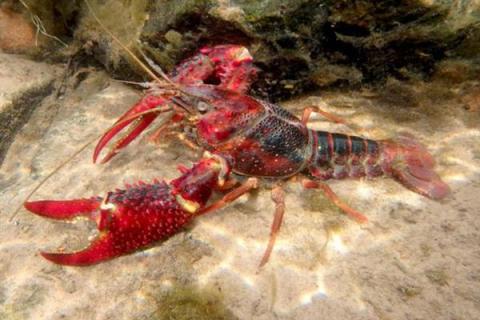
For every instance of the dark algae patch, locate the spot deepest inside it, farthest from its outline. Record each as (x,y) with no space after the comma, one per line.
(15,115)
(190,303)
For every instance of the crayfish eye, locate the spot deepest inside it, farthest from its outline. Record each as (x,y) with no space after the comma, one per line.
(203,107)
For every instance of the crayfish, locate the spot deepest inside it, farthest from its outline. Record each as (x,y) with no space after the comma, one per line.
(241,137)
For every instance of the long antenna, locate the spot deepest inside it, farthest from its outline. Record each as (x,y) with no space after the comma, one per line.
(142,65)
(124,47)
(51,174)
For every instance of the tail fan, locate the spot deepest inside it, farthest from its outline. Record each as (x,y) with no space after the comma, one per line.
(412,165)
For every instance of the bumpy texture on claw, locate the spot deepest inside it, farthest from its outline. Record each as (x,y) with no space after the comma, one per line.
(129,220)
(229,64)
(140,215)
(233,66)
(411,164)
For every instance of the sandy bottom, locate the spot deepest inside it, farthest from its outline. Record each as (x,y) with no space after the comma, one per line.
(414,259)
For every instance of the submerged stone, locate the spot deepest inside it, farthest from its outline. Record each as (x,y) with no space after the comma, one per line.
(298,44)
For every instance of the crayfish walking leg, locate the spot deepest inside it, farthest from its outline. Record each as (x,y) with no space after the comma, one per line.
(352,213)
(278,197)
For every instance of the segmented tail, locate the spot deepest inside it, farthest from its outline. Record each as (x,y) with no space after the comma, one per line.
(411,164)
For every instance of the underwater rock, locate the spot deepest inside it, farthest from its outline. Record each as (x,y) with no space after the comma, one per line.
(24,84)
(35,27)
(298,44)
(16,34)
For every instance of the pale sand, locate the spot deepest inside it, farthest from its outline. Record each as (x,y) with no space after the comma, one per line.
(414,259)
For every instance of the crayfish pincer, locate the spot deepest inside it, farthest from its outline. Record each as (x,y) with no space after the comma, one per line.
(139,215)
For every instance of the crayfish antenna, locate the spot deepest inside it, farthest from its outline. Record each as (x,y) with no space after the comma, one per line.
(144,85)
(155,67)
(166,83)
(132,55)
(54,171)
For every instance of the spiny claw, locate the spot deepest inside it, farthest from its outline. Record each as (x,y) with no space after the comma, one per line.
(138,216)
(127,220)
(141,119)
(142,123)
(234,66)
(69,209)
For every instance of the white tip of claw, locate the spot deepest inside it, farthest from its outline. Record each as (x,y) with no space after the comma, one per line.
(106,205)
(187,205)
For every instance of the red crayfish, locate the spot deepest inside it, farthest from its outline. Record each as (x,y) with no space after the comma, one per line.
(239,134)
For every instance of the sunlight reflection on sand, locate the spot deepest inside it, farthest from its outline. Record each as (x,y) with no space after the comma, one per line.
(241,254)
(310,262)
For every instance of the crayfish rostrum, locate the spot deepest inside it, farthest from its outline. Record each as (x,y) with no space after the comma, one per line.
(240,136)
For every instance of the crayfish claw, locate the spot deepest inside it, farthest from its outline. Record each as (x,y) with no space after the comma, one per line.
(100,250)
(138,216)
(127,220)
(141,124)
(61,210)
(140,116)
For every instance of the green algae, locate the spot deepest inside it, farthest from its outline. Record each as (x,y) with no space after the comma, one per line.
(409,291)
(437,276)
(191,303)
(125,19)
(54,15)
(11,312)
